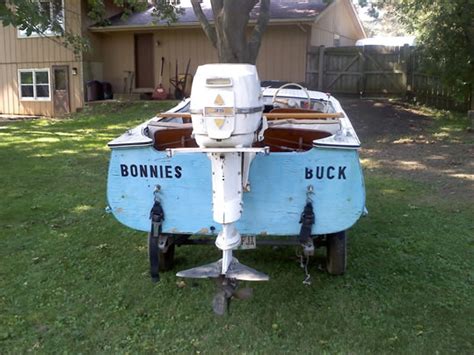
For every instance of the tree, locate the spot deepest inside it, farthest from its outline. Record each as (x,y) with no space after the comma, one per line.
(380,22)
(445,36)
(228,34)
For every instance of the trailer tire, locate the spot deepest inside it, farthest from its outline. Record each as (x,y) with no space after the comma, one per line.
(166,260)
(336,257)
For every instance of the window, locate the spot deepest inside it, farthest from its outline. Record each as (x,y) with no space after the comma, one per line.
(34,84)
(53,11)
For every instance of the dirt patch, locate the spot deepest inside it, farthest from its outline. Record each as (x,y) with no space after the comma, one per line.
(400,141)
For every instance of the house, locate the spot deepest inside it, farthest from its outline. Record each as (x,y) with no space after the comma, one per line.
(39,76)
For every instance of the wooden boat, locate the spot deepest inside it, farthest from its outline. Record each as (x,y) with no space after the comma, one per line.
(312,160)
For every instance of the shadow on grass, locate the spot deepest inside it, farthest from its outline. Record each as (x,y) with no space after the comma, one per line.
(417,143)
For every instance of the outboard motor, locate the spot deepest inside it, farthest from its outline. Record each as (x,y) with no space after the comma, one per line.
(226,110)
(226,105)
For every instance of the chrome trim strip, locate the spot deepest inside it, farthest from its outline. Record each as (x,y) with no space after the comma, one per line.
(247,110)
(243,110)
(131,144)
(335,146)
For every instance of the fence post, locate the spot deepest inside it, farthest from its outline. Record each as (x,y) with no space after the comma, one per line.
(404,66)
(321,68)
(363,76)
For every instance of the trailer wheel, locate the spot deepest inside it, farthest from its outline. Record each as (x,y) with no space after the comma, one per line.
(166,260)
(336,257)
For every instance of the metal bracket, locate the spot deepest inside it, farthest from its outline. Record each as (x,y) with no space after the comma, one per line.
(163,243)
(308,247)
(309,193)
(263,128)
(170,152)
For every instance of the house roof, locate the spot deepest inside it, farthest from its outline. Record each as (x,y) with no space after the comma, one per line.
(280,11)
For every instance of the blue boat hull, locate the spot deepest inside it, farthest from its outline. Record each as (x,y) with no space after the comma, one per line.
(279,184)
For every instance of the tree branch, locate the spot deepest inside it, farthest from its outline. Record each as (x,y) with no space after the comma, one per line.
(206,26)
(257,33)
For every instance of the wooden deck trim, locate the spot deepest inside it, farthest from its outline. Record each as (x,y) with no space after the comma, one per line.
(269,116)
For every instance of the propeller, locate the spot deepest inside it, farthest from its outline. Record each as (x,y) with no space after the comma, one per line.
(227,290)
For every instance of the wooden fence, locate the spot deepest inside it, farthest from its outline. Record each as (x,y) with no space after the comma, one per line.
(375,71)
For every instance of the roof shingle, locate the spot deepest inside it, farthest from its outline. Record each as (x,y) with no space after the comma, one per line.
(279,10)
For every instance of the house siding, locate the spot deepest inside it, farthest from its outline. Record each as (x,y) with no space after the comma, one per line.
(36,53)
(336,20)
(92,59)
(282,54)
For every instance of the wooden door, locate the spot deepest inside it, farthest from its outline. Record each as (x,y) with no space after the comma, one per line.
(61,90)
(144,66)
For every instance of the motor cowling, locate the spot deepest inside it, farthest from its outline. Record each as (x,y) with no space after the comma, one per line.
(226,105)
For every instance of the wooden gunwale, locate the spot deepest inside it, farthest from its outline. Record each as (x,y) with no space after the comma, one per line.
(269,116)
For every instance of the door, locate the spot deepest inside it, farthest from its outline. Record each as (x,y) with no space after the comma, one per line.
(61,90)
(144,67)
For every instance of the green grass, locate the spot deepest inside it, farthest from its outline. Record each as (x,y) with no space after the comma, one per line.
(72,279)
(448,126)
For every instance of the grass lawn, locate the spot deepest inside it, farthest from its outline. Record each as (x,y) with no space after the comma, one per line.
(72,279)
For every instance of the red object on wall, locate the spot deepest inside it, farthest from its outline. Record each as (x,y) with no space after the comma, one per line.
(159,93)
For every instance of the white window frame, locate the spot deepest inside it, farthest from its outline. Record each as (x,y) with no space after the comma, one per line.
(33,71)
(47,33)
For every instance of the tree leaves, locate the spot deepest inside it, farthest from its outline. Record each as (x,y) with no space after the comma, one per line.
(445,35)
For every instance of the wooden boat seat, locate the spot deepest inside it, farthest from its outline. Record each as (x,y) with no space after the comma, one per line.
(174,138)
(279,139)
(283,139)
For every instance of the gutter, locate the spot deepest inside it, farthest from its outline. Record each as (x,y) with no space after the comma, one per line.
(121,28)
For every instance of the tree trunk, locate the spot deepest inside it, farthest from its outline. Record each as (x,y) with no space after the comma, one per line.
(229,33)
